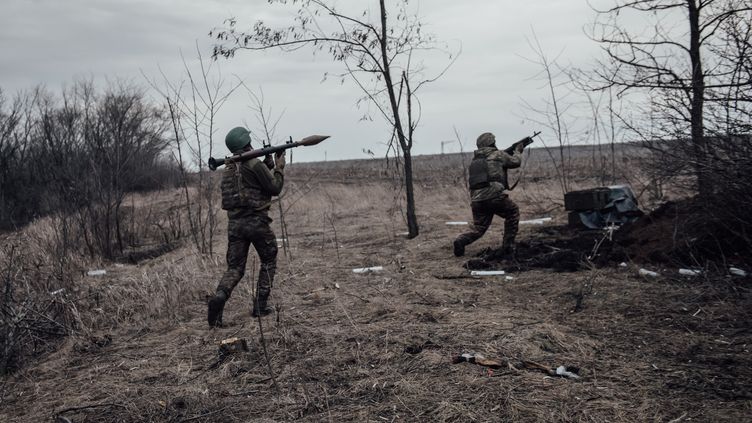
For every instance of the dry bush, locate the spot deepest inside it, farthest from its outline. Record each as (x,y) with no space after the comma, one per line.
(82,151)
(45,298)
(718,222)
(36,309)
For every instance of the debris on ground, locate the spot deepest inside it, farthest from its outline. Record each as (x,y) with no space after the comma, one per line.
(368,269)
(570,372)
(456,223)
(98,272)
(538,221)
(690,272)
(737,272)
(646,272)
(232,345)
(478,359)
(486,272)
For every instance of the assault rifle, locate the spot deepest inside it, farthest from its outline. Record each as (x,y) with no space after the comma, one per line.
(251,154)
(525,142)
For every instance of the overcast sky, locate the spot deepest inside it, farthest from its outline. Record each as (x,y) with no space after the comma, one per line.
(52,42)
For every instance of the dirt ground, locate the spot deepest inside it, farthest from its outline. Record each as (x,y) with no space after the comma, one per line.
(379,346)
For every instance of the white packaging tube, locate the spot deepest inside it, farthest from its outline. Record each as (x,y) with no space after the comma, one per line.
(645,272)
(737,272)
(689,272)
(456,223)
(538,221)
(368,269)
(486,272)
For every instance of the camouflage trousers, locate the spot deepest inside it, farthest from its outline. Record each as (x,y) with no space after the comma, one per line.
(483,213)
(241,234)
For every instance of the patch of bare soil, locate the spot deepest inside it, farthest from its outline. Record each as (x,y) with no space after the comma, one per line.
(559,248)
(683,233)
(383,346)
(676,234)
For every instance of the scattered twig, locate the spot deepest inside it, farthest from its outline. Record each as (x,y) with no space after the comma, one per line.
(86,407)
(678,419)
(356,296)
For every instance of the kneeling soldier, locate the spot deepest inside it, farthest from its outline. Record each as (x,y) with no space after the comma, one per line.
(488,181)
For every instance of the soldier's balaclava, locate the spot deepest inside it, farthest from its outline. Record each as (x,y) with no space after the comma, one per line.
(486,139)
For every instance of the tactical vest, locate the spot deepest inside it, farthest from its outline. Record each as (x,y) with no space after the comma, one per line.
(480,175)
(238,193)
(478,172)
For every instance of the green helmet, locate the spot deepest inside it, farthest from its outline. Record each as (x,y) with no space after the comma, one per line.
(238,138)
(486,139)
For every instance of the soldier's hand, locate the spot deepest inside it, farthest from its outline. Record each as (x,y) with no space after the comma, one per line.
(519,148)
(279,159)
(269,162)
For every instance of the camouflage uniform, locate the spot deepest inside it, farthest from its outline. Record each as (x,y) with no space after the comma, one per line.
(489,199)
(247,190)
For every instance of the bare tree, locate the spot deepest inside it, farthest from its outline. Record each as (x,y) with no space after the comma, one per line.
(553,113)
(679,68)
(379,55)
(193,105)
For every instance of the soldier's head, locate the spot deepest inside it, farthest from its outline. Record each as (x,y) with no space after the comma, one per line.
(237,139)
(486,139)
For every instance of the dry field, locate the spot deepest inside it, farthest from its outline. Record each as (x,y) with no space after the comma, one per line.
(380,346)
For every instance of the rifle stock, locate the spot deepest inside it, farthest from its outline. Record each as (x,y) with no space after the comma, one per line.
(251,154)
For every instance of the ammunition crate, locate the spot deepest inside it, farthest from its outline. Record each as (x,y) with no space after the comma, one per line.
(588,199)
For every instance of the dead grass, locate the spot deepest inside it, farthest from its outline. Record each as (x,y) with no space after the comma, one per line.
(340,346)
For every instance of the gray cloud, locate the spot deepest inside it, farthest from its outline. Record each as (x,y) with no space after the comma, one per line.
(52,42)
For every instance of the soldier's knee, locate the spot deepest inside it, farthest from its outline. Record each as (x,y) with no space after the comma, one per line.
(236,274)
(271,255)
(268,256)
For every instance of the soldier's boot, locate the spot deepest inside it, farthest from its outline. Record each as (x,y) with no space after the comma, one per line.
(261,306)
(508,250)
(459,248)
(215,307)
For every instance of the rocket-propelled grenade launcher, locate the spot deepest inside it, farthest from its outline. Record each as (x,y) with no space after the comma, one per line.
(251,154)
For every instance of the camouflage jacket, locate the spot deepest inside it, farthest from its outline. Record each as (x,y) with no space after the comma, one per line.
(498,163)
(248,187)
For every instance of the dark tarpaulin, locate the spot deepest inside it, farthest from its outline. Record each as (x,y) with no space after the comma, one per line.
(621,208)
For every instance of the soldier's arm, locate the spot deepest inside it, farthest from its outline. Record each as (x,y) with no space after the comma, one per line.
(509,161)
(270,181)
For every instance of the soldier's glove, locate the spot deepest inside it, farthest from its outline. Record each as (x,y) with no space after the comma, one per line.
(519,148)
(279,160)
(269,162)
